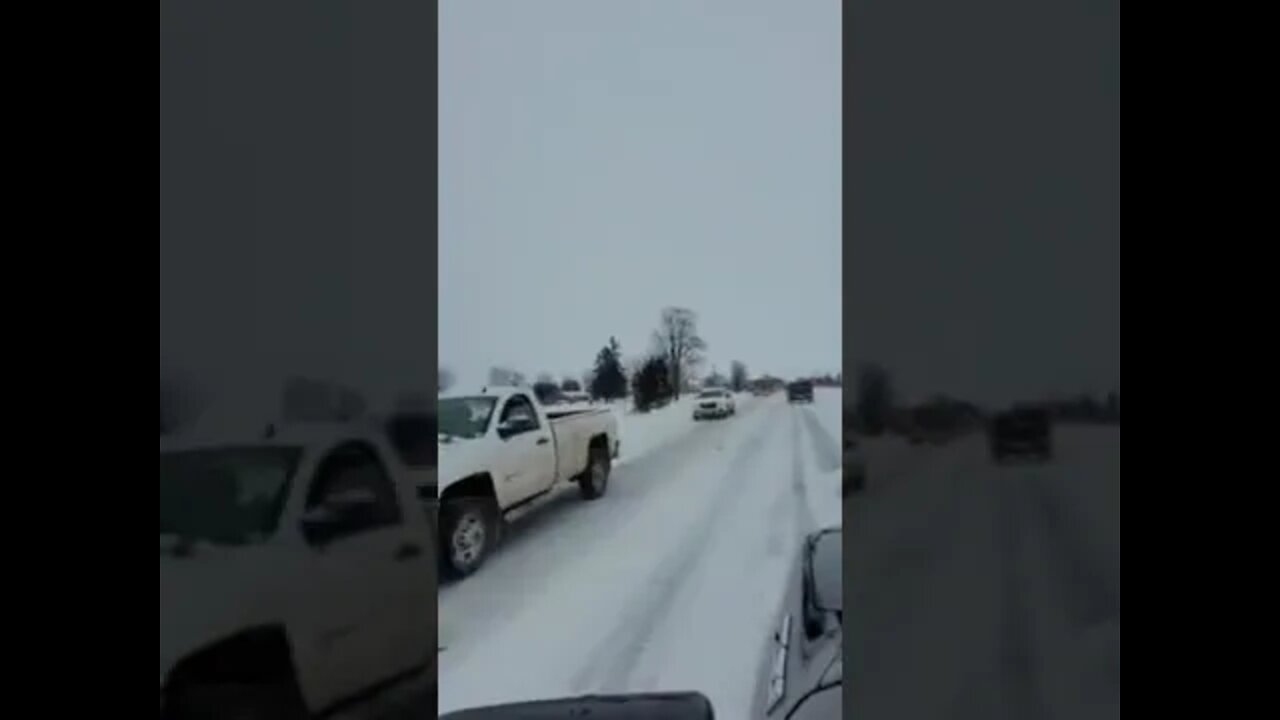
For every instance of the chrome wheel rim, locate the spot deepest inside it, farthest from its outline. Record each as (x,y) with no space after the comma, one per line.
(468,540)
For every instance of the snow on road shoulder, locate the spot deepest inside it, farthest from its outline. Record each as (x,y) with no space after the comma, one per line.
(717,626)
(822,489)
(822,482)
(828,406)
(825,501)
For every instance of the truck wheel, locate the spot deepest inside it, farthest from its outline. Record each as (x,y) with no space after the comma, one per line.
(467,534)
(595,479)
(198,701)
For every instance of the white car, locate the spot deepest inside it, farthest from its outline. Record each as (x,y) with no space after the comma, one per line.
(500,449)
(714,404)
(296,570)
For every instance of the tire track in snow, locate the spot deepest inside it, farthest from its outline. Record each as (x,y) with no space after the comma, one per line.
(610,666)
(805,521)
(558,530)
(825,448)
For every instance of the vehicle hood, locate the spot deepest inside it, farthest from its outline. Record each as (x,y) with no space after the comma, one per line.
(215,592)
(462,458)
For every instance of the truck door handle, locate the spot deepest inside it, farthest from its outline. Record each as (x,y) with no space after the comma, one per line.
(407,551)
(543,440)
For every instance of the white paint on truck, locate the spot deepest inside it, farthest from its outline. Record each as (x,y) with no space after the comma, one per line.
(500,448)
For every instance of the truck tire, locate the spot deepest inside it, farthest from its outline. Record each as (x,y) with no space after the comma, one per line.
(595,479)
(468,532)
(199,701)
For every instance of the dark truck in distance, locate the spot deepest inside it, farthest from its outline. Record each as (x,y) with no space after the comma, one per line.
(1021,431)
(800,391)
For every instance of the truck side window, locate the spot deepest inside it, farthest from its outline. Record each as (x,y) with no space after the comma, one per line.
(518,407)
(354,471)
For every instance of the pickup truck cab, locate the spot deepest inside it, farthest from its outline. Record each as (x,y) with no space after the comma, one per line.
(297,570)
(499,450)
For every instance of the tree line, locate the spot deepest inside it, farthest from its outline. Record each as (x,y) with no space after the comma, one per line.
(656,377)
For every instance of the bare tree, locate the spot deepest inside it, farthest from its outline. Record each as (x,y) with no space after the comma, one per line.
(678,340)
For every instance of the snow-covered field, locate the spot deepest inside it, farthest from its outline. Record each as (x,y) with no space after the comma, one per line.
(669,582)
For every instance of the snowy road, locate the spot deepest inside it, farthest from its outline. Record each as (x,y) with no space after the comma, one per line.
(668,582)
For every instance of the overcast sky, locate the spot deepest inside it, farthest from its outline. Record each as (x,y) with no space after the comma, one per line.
(602,160)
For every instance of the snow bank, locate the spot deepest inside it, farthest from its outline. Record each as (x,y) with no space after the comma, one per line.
(823,494)
(828,406)
(823,485)
(642,433)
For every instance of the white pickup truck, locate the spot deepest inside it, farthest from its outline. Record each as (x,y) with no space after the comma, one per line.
(297,569)
(499,450)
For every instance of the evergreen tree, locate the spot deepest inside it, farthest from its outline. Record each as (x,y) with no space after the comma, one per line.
(609,381)
(651,386)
